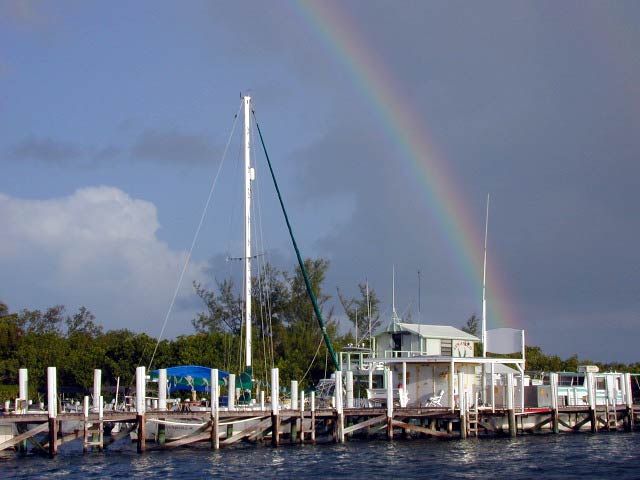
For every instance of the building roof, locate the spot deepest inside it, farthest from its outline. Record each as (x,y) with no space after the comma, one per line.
(436,331)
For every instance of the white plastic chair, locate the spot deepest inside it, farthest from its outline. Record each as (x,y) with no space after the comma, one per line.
(436,400)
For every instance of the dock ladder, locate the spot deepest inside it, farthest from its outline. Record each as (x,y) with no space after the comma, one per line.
(611,413)
(473,418)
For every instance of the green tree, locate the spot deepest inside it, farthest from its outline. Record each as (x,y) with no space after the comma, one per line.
(224,309)
(472,326)
(362,311)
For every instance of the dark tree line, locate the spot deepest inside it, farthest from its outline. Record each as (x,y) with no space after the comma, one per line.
(285,335)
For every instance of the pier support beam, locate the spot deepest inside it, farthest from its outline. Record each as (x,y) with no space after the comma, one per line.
(349,388)
(215,410)
(85,411)
(302,432)
(23,390)
(97,388)
(628,398)
(140,408)
(275,407)
(513,427)
(231,397)
(162,405)
(555,423)
(294,407)
(313,417)
(591,394)
(52,407)
(339,433)
(462,405)
(389,381)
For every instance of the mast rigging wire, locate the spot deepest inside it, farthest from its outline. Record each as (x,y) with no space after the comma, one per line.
(195,238)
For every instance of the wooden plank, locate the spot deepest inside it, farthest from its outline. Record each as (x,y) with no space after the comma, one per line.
(196,437)
(17,439)
(564,424)
(487,426)
(248,431)
(365,424)
(416,428)
(579,425)
(539,425)
(120,435)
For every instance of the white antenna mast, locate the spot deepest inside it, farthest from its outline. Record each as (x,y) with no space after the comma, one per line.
(249,175)
(356,326)
(484,284)
(369,313)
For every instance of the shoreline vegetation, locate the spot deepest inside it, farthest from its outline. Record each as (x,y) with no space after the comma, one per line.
(286,336)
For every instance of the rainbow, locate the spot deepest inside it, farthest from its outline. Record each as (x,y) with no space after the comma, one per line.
(407,129)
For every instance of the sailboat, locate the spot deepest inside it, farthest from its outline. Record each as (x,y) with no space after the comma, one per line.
(192,379)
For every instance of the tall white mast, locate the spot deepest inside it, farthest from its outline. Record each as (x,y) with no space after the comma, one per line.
(249,175)
(484,284)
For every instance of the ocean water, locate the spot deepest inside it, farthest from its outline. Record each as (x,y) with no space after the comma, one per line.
(581,456)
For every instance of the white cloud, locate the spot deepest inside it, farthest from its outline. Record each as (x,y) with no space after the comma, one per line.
(97,247)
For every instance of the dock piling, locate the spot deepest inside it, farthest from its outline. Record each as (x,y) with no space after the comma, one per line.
(215,410)
(140,408)
(462,406)
(555,424)
(389,381)
(591,394)
(511,412)
(52,407)
(275,417)
(313,417)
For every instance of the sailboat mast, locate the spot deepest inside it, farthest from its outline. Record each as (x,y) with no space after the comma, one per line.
(249,175)
(484,284)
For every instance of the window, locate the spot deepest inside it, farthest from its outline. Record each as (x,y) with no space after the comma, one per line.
(445,348)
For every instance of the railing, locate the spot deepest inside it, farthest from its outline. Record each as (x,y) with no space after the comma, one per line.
(403,353)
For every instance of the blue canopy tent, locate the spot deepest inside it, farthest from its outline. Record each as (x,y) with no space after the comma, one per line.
(190,378)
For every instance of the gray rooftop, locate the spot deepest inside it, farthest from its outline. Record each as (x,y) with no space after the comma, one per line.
(436,331)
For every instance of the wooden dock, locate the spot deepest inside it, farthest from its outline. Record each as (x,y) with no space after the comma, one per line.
(299,421)
(299,426)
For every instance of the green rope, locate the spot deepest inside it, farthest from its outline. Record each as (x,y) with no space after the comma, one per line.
(307,283)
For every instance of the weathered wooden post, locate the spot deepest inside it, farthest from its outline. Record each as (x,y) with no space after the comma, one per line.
(275,417)
(313,417)
(555,416)
(462,406)
(294,407)
(162,405)
(349,389)
(513,428)
(140,408)
(101,423)
(97,384)
(262,400)
(215,409)
(52,408)
(97,387)
(302,416)
(231,401)
(231,396)
(23,400)
(628,398)
(591,394)
(389,382)
(339,431)
(85,411)
(23,389)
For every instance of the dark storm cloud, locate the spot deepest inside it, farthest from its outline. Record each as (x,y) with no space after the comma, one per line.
(45,150)
(542,123)
(166,146)
(171,146)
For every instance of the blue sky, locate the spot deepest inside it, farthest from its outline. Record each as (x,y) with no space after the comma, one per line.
(113,118)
